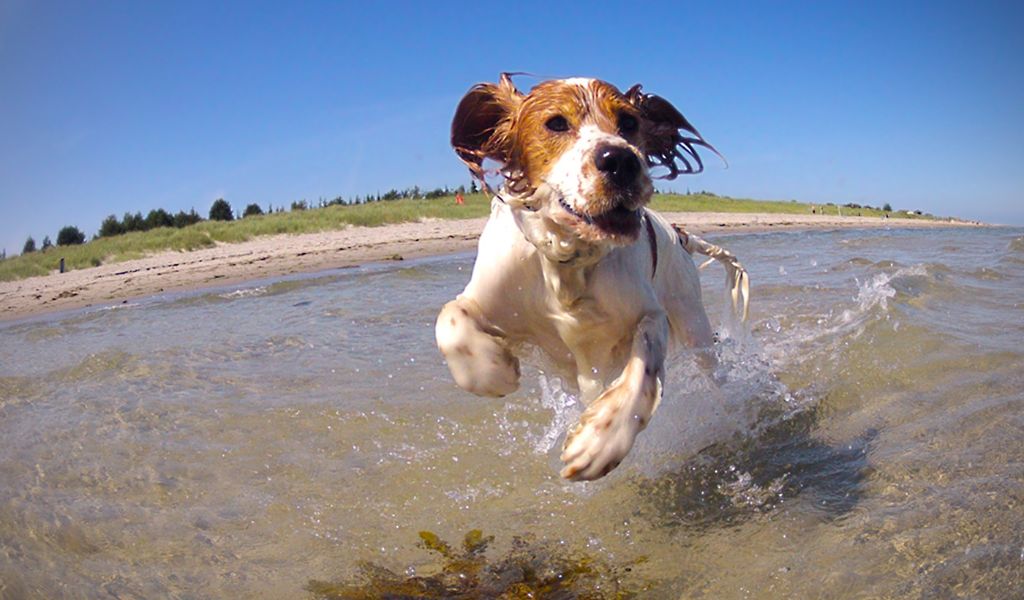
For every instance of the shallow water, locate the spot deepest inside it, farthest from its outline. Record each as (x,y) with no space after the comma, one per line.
(867,439)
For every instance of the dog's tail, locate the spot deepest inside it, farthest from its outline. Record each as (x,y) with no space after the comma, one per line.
(736,279)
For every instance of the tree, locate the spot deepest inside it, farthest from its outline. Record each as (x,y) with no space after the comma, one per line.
(110,227)
(221,211)
(159,218)
(70,236)
(46,242)
(887,208)
(252,210)
(184,219)
(132,222)
(30,246)
(299,205)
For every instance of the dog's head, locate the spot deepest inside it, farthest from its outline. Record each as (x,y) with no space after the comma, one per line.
(579,147)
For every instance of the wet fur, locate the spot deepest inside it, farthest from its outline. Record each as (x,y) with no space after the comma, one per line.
(572,261)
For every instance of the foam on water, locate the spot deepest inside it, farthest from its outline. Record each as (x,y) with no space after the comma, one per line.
(244,293)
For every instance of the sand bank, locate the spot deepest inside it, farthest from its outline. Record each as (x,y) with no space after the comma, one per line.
(285,254)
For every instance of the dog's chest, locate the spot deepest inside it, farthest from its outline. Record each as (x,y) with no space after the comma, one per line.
(580,314)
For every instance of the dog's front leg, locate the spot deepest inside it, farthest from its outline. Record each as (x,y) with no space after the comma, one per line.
(608,427)
(477,354)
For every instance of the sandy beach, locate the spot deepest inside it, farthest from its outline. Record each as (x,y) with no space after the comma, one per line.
(286,254)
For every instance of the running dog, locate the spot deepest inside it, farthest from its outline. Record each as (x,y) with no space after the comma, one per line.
(572,261)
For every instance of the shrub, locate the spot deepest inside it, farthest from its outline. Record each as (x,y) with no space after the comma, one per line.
(30,246)
(221,211)
(70,236)
(252,210)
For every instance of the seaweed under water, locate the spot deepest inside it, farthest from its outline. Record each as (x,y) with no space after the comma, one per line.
(527,570)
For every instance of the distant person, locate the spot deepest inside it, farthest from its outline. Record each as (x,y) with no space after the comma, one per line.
(458,198)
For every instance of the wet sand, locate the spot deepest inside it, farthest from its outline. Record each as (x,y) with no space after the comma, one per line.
(274,256)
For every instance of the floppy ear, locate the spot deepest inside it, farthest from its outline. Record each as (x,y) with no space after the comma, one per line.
(669,139)
(481,127)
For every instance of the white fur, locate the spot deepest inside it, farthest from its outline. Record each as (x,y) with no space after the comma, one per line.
(603,320)
(579,81)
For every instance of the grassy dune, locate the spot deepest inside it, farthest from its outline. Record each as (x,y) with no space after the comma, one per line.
(209,233)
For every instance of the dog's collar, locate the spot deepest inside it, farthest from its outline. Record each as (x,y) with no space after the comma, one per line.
(652,238)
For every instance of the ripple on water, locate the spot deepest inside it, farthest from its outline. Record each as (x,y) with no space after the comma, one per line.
(863,438)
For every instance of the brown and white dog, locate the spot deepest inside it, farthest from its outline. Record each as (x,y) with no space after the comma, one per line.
(572,262)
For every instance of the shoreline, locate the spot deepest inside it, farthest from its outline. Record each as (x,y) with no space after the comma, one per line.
(280,255)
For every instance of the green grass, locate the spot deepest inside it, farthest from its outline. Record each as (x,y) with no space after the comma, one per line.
(709,203)
(209,233)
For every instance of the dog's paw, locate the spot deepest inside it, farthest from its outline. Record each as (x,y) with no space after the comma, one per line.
(602,438)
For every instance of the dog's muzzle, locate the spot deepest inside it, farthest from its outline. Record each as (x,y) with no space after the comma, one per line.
(620,220)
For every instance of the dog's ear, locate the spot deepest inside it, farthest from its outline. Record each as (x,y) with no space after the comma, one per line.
(669,139)
(481,128)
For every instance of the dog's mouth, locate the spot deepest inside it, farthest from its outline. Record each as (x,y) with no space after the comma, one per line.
(618,221)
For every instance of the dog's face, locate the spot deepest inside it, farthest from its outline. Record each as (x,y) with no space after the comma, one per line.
(578,146)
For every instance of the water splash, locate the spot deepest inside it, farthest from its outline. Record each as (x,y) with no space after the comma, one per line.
(566,410)
(839,325)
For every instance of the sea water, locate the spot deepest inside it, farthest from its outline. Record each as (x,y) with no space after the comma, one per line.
(862,438)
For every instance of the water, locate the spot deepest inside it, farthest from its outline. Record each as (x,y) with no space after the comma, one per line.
(866,439)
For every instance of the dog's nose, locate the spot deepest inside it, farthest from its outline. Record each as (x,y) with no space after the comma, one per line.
(620,164)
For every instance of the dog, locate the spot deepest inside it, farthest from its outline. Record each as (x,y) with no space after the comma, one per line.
(571,260)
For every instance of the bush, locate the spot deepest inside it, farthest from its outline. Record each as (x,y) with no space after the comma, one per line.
(70,236)
(30,246)
(221,211)
(253,210)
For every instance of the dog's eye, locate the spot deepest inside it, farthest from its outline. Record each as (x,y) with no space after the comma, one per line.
(557,124)
(627,124)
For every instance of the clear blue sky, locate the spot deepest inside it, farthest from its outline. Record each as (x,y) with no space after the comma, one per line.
(129,106)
